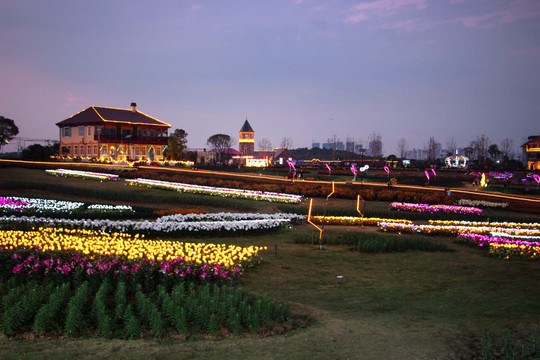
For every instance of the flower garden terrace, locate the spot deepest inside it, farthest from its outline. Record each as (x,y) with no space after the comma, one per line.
(434,193)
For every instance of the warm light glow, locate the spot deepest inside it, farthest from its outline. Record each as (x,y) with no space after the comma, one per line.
(250,162)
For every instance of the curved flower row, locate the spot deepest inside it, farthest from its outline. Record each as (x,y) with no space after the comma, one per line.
(228,216)
(216,191)
(486,224)
(82,174)
(350,220)
(483,203)
(453,229)
(155,227)
(95,243)
(39,264)
(39,205)
(435,208)
(504,247)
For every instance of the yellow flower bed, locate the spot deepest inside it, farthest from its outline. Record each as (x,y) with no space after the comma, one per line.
(515,250)
(350,220)
(91,243)
(491,224)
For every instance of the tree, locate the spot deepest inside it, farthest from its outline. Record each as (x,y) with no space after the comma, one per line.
(480,146)
(375,144)
(177,144)
(220,143)
(451,146)
(37,152)
(402,147)
(8,130)
(507,147)
(286,143)
(494,152)
(432,149)
(265,144)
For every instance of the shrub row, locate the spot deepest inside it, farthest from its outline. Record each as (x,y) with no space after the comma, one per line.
(375,243)
(112,311)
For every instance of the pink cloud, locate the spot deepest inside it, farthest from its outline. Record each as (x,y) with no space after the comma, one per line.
(515,11)
(73,103)
(379,8)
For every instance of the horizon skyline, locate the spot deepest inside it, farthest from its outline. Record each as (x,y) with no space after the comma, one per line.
(303,69)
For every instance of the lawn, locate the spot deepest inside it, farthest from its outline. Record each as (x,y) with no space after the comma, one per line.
(410,305)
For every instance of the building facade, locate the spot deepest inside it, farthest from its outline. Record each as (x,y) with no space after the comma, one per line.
(531,153)
(113,134)
(246,140)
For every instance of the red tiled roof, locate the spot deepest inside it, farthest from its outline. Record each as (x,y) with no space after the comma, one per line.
(96,115)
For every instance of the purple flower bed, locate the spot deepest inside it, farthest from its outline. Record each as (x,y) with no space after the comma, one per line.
(449,209)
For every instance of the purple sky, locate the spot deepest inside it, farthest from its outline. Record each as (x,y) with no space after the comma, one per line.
(307,70)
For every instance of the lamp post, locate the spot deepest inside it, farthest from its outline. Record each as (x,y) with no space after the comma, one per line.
(362,167)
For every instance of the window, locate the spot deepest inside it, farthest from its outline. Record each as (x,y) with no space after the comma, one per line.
(67,132)
(158,151)
(82,150)
(89,150)
(95,150)
(89,131)
(76,150)
(81,130)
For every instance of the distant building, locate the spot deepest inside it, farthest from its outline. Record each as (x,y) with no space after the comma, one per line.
(107,133)
(315,145)
(531,153)
(246,139)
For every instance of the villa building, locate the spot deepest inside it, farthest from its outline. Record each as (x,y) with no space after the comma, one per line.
(531,153)
(113,134)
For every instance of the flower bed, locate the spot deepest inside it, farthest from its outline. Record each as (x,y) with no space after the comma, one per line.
(350,220)
(486,224)
(82,174)
(482,203)
(23,205)
(504,247)
(435,208)
(215,191)
(95,243)
(454,230)
(177,225)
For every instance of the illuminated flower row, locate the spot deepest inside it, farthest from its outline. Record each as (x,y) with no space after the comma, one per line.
(491,204)
(155,227)
(486,224)
(39,205)
(224,192)
(96,243)
(82,174)
(116,208)
(435,208)
(350,220)
(503,247)
(453,229)
(228,216)
(39,264)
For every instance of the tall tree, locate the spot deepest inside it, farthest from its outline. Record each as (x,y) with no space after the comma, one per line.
(480,146)
(402,147)
(432,149)
(8,130)
(177,144)
(494,152)
(264,144)
(220,143)
(507,147)
(375,144)
(286,143)
(451,146)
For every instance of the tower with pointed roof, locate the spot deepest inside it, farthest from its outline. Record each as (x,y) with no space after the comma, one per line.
(246,139)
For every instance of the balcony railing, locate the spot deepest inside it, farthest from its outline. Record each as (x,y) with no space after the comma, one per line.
(131,139)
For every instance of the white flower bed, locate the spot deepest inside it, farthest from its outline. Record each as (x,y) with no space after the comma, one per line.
(162,226)
(82,174)
(21,203)
(482,203)
(231,217)
(216,191)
